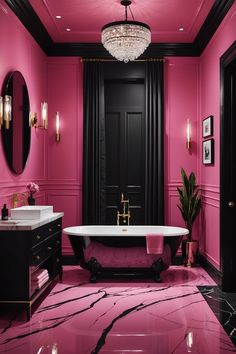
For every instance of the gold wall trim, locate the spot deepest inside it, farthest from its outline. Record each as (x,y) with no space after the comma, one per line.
(117,61)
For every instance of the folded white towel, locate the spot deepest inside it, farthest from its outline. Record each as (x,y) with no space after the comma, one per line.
(40,273)
(38,281)
(42,282)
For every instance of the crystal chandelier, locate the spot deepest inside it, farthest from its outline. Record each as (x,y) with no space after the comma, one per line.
(126,40)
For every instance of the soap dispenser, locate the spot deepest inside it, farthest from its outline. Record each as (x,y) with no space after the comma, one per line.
(4,212)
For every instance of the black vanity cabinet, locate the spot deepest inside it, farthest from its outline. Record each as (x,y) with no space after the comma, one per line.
(22,254)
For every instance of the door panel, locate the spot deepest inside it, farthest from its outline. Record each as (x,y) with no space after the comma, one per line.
(112,127)
(125,148)
(228,175)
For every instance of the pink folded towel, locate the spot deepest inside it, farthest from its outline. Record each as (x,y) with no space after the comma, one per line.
(154,243)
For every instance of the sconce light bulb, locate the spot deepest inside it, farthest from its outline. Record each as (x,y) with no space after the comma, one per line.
(188,131)
(1,111)
(57,127)
(44,114)
(7,110)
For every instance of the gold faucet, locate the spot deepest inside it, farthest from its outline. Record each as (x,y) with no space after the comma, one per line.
(19,199)
(125,215)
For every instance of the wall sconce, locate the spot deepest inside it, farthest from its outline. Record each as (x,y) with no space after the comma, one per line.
(7,108)
(57,127)
(44,117)
(44,114)
(32,119)
(1,112)
(188,135)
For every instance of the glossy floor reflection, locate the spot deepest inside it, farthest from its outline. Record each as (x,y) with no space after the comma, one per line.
(120,317)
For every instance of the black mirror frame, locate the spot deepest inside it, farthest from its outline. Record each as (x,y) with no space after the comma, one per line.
(7,134)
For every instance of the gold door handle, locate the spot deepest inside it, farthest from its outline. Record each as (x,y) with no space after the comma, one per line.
(231,204)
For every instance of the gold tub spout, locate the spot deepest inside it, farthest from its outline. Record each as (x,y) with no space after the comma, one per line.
(125,215)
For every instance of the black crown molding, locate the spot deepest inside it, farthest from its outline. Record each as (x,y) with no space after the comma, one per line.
(24,11)
(212,22)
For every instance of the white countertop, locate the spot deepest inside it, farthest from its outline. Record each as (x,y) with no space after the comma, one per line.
(21,225)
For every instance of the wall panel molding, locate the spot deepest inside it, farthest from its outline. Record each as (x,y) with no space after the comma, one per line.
(210,188)
(204,201)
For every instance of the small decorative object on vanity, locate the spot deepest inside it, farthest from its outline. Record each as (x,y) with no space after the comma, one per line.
(4,212)
(33,188)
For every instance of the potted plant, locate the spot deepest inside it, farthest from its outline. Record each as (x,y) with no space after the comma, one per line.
(190,204)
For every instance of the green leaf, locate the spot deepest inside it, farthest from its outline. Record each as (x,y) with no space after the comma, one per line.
(190,199)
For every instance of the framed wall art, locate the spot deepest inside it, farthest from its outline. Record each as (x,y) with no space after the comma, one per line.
(207,127)
(208,152)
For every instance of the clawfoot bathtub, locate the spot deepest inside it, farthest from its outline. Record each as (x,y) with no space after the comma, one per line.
(117,251)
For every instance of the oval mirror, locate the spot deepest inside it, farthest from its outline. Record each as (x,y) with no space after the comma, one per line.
(15,129)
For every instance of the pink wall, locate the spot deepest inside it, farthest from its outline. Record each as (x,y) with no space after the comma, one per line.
(210,105)
(20,52)
(64,168)
(181,103)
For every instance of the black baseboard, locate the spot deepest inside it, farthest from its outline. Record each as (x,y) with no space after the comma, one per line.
(211,270)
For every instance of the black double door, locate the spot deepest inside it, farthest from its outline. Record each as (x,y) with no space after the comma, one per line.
(125,147)
(228,171)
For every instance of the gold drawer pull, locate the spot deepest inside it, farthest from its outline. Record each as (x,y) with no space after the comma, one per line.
(38,257)
(38,237)
(49,248)
(50,230)
(59,225)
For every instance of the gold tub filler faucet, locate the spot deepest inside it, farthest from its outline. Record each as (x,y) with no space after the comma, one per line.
(123,217)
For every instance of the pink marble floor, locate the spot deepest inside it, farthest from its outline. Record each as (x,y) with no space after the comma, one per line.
(120,317)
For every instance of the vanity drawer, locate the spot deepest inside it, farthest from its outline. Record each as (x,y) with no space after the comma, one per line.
(46,250)
(42,233)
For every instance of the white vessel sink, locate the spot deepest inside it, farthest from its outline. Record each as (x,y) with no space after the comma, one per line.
(30,212)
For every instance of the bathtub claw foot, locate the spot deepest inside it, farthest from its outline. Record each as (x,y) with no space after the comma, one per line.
(157,278)
(93,278)
(157,267)
(94,266)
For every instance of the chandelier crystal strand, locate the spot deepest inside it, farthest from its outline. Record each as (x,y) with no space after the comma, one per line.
(126,40)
